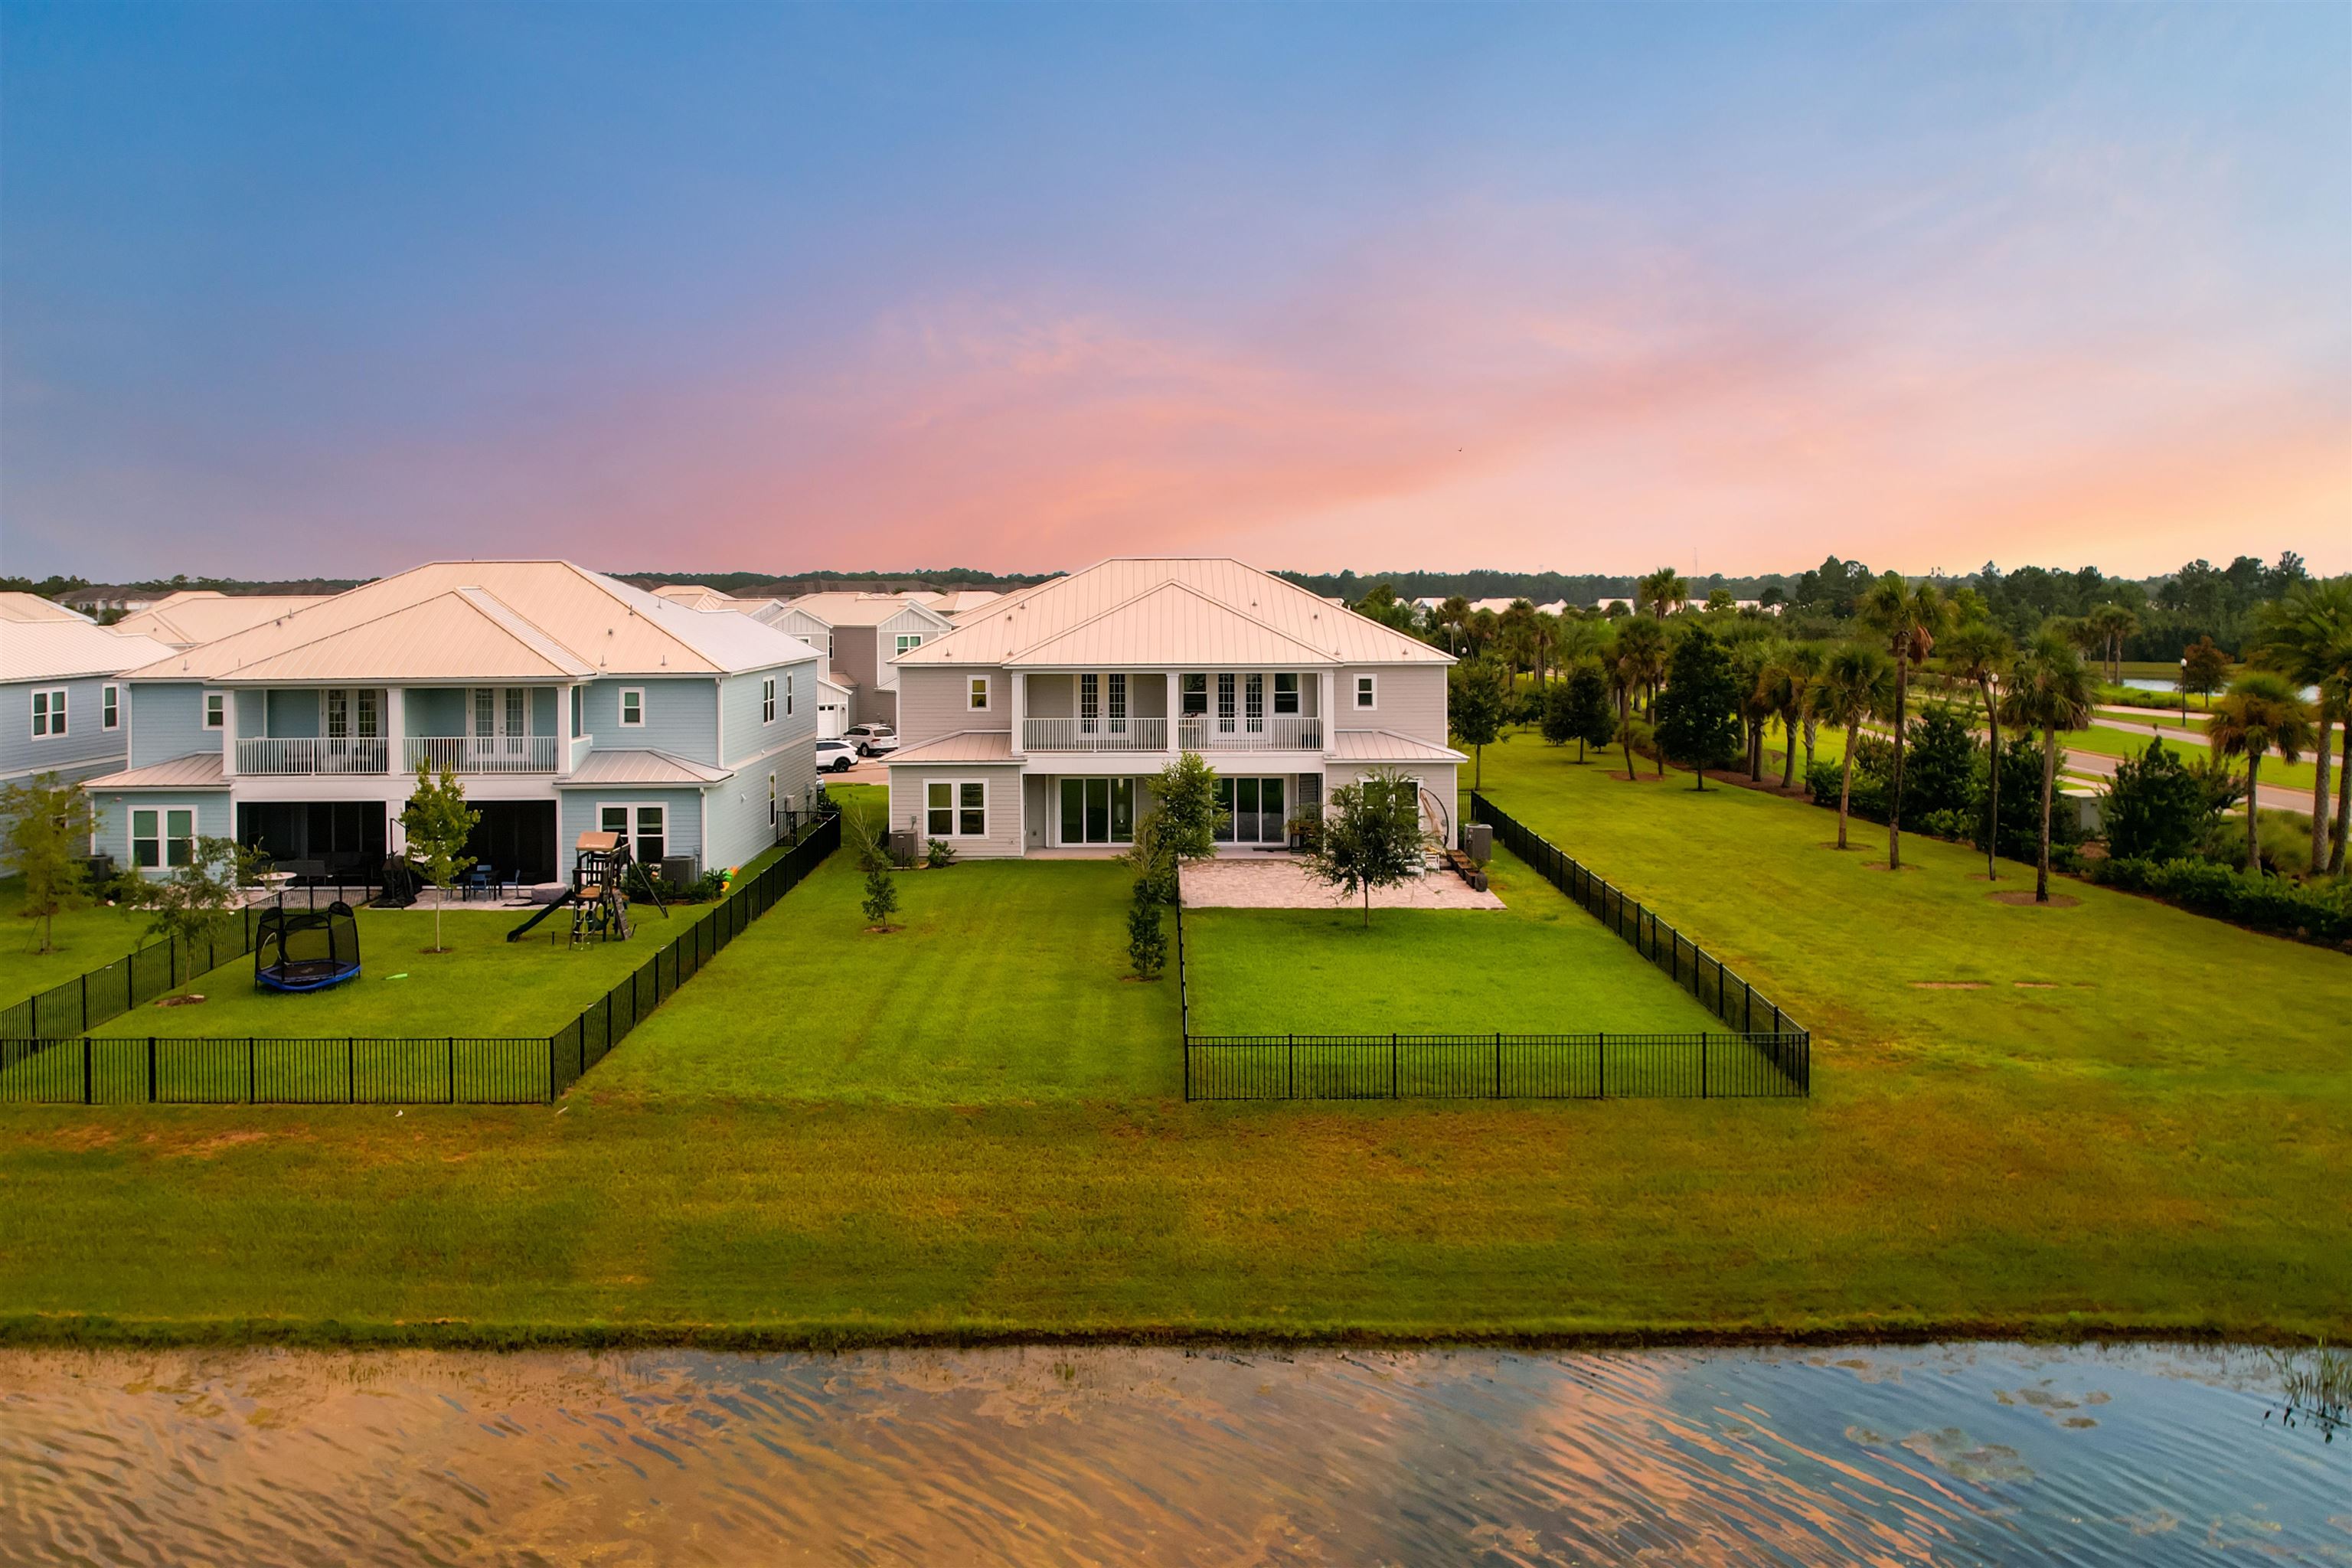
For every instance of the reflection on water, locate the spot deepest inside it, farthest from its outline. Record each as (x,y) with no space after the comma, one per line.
(1942,1455)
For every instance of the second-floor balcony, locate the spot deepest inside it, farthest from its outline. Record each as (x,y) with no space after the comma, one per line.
(1099,734)
(312,754)
(1199,732)
(482,754)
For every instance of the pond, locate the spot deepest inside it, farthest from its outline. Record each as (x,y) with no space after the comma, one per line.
(1958,1454)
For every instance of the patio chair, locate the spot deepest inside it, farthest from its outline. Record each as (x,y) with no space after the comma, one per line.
(480,878)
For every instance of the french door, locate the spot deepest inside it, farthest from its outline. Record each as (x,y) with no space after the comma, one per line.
(1256,804)
(1098,811)
(499,726)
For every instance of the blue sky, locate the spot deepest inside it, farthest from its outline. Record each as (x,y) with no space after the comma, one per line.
(295,288)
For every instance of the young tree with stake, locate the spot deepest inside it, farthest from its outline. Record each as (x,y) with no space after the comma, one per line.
(439,824)
(49,825)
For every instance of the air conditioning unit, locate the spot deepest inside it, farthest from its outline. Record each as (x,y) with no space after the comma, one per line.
(681,871)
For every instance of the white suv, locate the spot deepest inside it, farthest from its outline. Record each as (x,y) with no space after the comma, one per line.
(836,756)
(873,739)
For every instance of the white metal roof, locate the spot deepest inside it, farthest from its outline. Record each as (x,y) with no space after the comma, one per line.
(1387,746)
(16,605)
(845,609)
(1155,611)
(641,767)
(964,746)
(198,770)
(203,615)
(68,649)
(485,620)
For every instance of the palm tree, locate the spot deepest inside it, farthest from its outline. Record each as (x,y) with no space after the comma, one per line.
(2261,711)
(1750,661)
(1642,653)
(2114,625)
(1908,618)
(1662,591)
(1632,733)
(1451,617)
(1784,692)
(2049,691)
(1806,661)
(1977,651)
(2307,638)
(1857,683)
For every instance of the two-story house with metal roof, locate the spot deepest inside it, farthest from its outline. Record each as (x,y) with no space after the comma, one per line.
(1035,723)
(564,699)
(861,634)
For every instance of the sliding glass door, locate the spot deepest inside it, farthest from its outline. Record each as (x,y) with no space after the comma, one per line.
(1259,813)
(1098,811)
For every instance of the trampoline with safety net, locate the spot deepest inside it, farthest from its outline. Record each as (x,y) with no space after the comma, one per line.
(306,949)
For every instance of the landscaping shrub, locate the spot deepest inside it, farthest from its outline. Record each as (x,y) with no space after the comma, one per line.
(1943,771)
(2318,911)
(938,852)
(2159,808)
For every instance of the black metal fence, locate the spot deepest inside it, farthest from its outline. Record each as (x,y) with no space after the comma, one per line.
(1763,1055)
(344,1070)
(106,993)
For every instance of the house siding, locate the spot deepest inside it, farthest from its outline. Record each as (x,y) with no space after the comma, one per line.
(739,807)
(1412,700)
(84,749)
(745,733)
(931,703)
(167,720)
(681,716)
(577,814)
(908,786)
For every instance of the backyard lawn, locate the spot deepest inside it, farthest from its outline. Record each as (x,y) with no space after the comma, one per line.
(484,985)
(86,939)
(2040,1121)
(1004,981)
(1540,966)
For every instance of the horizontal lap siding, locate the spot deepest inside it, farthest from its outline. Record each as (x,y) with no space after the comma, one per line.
(215,818)
(578,814)
(1412,700)
(681,716)
(77,753)
(1004,838)
(167,720)
(748,735)
(932,702)
(739,808)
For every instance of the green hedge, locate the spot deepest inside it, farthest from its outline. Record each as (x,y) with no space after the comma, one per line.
(2315,911)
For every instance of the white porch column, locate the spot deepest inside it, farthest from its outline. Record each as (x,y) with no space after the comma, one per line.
(1020,711)
(396,729)
(1173,746)
(1326,686)
(232,706)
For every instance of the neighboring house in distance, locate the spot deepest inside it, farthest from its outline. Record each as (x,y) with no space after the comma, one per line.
(566,702)
(1036,725)
(954,602)
(860,634)
(99,598)
(61,704)
(195,615)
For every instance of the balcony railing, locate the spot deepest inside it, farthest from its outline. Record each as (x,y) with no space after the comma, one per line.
(490,755)
(1271,733)
(312,754)
(1099,734)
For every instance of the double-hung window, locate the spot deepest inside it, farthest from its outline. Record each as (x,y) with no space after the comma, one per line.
(1367,692)
(49,712)
(1225,703)
(647,838)
(1286,694)
(163,836)
(216,710)
(109,707)
(768,700)
(955,808)
(977,697)
(632,706)
(908,641)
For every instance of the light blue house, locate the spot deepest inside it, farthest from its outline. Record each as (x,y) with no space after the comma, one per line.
(61,707)
(565,701)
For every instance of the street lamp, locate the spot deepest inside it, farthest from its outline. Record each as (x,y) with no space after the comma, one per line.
(2184,692)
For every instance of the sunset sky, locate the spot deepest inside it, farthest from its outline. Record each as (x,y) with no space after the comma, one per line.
(290,290)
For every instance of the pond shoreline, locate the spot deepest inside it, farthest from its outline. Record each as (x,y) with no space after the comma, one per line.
(66,1332)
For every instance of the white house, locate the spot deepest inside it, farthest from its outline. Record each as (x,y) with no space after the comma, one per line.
(1037,724)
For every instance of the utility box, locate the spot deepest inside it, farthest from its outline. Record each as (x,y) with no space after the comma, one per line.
(1478,840)
(681,871)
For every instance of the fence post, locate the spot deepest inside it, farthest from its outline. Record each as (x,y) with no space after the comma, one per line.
(351,1070)
(453,1070)
(1604,1066)
(84,1072)
(249,1069)
(550,1070)
(1290,1084)
(1498,1064)
(1701,1067)
(85,1004)
(150,1069)
(1392,1065)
